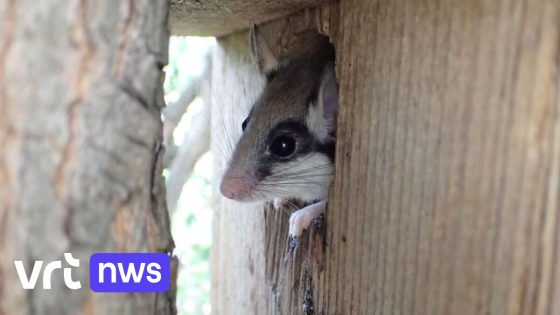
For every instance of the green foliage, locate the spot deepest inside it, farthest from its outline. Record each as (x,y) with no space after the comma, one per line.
(191,221)
(187,59)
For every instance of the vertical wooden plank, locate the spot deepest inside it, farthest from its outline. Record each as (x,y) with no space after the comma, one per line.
(446,194)
(238,285)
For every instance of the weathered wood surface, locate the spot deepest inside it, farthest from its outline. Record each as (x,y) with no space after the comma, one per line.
(237,251)
(447,191)
(221,17)
(80,133)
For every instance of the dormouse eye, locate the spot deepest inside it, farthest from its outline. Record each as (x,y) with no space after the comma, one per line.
(244,124)
(283,146)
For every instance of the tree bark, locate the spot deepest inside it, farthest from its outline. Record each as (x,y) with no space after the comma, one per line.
(80,138)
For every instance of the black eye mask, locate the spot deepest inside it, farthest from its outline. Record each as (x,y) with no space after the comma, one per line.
(291,137)
(245,122)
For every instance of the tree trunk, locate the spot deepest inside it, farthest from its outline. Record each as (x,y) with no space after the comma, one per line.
(446,194)
(80,138)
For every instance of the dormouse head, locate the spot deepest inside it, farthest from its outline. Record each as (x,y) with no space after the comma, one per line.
(287,147)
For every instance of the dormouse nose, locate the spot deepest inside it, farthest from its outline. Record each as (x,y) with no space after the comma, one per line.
(236,187)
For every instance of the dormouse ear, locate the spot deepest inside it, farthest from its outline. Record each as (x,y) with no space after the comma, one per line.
(328,97)
(265,58)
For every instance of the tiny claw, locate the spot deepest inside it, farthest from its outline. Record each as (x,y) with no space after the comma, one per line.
(293,243)
(319,222)
(301,219)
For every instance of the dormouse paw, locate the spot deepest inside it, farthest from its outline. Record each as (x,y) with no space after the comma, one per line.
(301,219)
(297,224)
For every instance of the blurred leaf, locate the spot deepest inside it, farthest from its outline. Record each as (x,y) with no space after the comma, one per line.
(191,224)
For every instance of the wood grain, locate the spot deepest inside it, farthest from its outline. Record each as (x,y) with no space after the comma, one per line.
(219,18)
(447,191)
(238,263)
(446,195)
